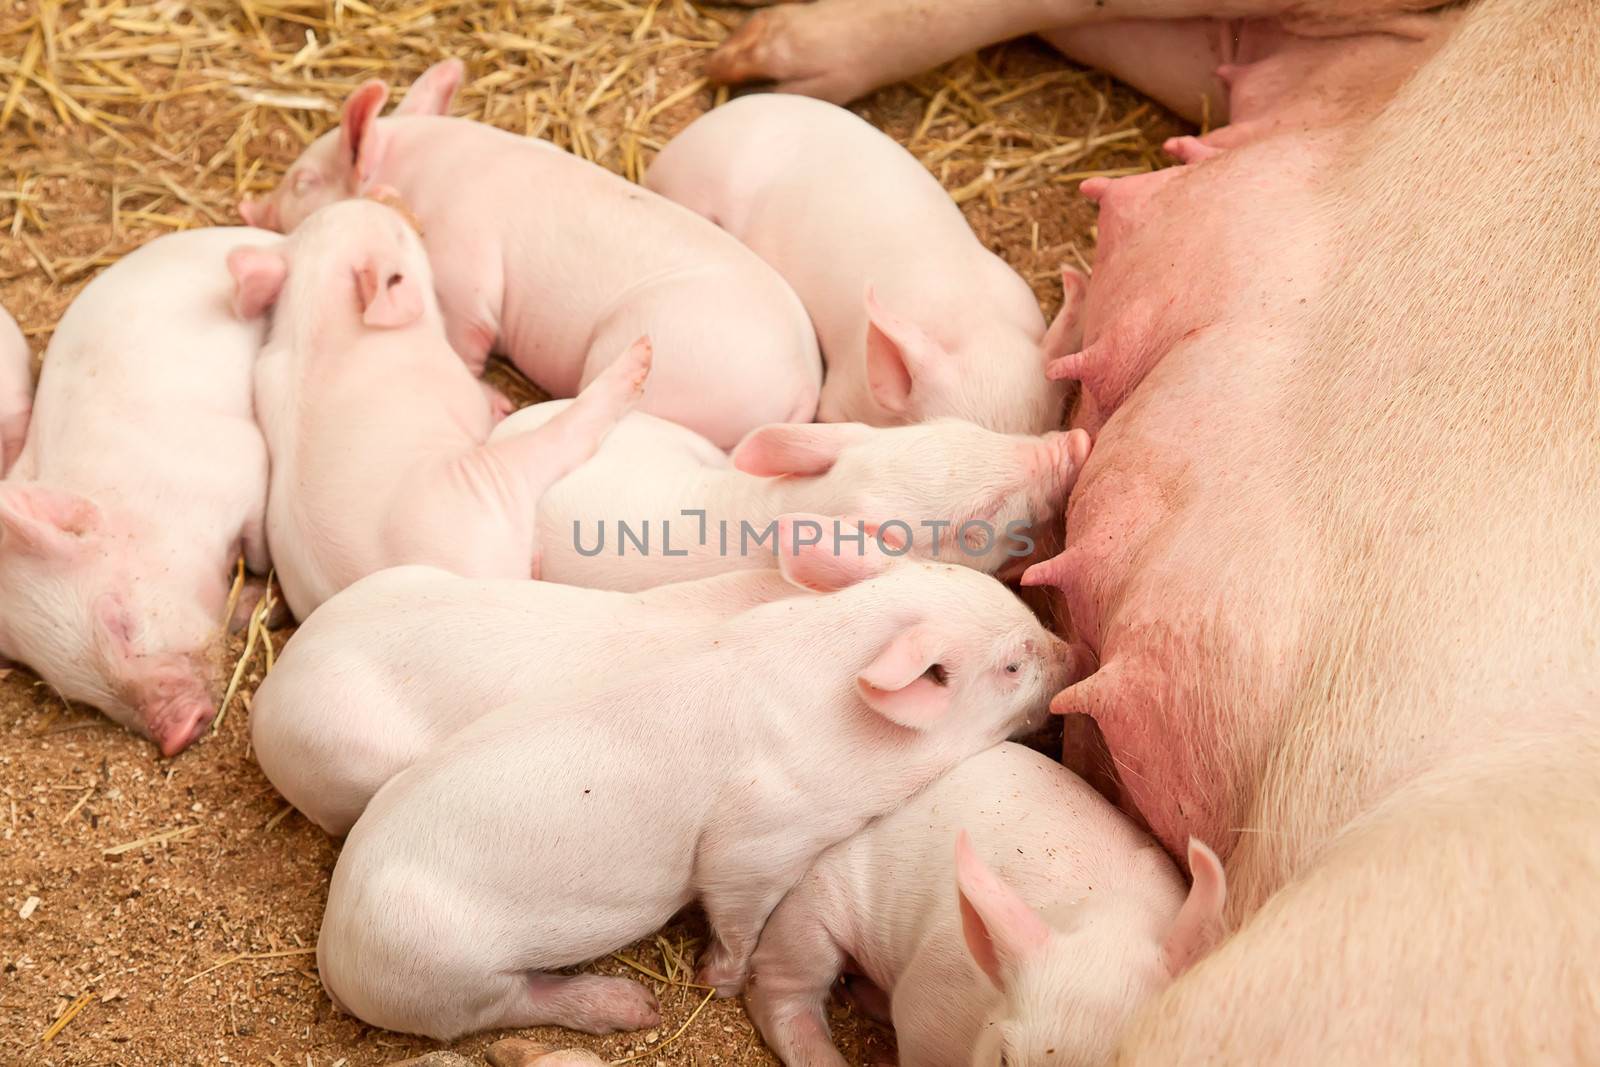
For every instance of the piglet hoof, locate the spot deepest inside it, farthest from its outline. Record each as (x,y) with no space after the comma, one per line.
(1189,150)
(721,972)
(277,615)
(752,53)
(500,405)
(633,369)
(624,1006)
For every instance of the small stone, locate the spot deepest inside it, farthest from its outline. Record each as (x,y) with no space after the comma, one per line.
(652,1037)
(28,907)
(569,1057)
(514,1052)
(520,1052)
(436,1059)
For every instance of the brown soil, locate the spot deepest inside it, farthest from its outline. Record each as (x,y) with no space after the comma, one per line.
(198,948)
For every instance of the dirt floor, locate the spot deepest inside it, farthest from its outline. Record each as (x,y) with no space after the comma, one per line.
(165,911)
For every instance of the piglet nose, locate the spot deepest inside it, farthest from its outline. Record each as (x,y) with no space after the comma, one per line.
(182,725)
(1063,454)
(1068,663)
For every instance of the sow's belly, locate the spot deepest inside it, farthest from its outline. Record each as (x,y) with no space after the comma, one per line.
(1189,576)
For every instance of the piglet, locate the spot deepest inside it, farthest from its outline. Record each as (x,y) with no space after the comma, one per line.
(384,672)
(16,389)
(142,480)
(566,825)
(378,434)
(917,319)
(559,263)
(658,503)
(1031,942)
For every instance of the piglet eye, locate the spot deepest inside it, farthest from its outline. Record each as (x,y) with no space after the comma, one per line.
(394,280)
(1013,668)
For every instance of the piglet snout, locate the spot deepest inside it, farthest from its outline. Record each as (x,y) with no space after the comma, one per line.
(1066,664)
(174,701)
(181,726)
(1062,455)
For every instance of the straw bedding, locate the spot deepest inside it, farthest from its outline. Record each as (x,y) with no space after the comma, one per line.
(163,912)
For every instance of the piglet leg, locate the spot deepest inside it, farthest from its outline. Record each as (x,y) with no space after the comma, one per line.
(538,459)
(736,921)
(793,971)
(590,1003)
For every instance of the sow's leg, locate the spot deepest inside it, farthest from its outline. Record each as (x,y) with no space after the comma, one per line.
(842,49)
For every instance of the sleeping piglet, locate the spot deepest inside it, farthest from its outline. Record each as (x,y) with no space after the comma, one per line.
(378,434)
(583,816)
(383,673)
(916,317)
(559,264)
(16,389)
(658,503)
(143,478)
(1029,942)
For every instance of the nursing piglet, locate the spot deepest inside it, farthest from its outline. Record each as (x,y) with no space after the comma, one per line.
(16,389)
(1029,944)
(142,480)
(917,318)
(384,672)
(658,503)
(559,263)
(562,827)
(377,432)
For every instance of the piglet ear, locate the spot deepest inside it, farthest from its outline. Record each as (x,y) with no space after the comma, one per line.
(906,683)
(433,90)
(1065,335)
(796,447)
(1000,929)
(822,553)
(361,142)
(258,276)
(1199,922)
(390,297)
(41,521)
(898,353)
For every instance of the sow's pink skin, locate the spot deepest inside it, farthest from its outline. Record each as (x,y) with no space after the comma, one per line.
(16,389)
(378,435)
(910,667)
(1010,914)
(560,265)
(1337,543)
(142,481)
(840,50)
(382,674)
(977,483)
(916,317)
